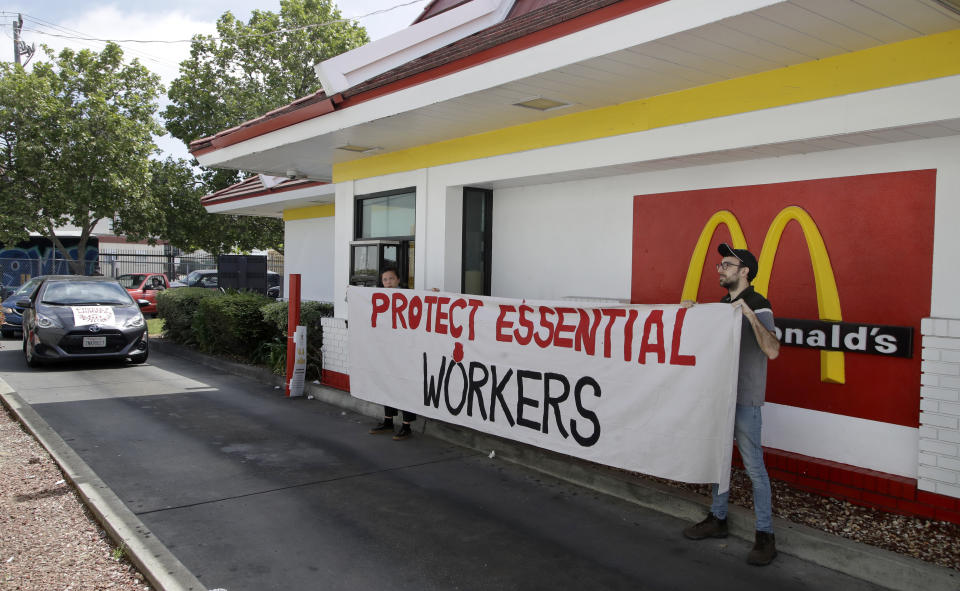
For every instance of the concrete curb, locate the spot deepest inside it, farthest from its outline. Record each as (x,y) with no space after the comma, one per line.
(161,568)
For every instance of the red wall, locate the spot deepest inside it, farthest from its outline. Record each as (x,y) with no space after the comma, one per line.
(878,231)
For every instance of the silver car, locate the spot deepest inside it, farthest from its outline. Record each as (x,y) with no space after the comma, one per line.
(77,317)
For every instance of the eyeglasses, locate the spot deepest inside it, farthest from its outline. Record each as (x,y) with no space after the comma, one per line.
(726,265)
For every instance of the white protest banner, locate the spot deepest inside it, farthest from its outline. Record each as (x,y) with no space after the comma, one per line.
(646,388)
(84,315)
(299,362)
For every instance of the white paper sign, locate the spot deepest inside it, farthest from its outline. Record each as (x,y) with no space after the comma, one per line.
(646,388)
(84,315)
(300,362)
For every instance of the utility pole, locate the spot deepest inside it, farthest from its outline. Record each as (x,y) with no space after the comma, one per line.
(17,24)
(19,47)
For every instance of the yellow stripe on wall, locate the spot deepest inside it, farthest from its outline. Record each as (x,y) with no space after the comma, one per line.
(915,60)
(306,213)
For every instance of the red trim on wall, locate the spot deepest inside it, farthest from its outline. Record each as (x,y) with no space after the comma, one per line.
(860,486)
(335,379)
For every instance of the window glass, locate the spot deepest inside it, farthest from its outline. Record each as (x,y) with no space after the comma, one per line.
(365,260)
(388,216)
(390,258)
(27,288)
(83,292)
(130,281)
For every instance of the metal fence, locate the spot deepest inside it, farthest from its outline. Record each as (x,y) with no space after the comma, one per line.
(16,271)
(175,266)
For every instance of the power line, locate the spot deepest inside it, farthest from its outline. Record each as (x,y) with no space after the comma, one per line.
(216,38)
(56,27)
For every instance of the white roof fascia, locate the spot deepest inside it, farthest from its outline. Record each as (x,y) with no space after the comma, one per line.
(273,198)
(618,34)
(363,63)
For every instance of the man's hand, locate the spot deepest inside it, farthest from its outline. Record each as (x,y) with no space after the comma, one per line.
(766,339)
(687,303)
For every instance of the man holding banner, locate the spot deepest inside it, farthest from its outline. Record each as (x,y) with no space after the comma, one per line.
(758,343)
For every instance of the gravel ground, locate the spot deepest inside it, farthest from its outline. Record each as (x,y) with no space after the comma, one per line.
(48,540)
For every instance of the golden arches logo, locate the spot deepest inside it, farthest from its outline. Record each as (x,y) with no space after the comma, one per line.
(832,367)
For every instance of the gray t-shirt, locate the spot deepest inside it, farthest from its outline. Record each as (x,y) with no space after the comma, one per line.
(752,384)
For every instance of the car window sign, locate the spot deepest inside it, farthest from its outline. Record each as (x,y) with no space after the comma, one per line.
(84,315)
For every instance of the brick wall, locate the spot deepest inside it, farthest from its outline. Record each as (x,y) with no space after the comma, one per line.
(336,360)
(939,462)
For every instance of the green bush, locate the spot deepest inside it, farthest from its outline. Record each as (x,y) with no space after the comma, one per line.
(179,308)
(232,324)
(242,325)
(274,352)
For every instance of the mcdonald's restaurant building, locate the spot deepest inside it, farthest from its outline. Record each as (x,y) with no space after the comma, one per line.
(601,150)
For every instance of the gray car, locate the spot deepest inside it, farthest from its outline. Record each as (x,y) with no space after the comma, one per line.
(77,317)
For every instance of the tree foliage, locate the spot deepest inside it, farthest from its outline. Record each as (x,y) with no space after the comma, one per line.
(184,223)
(245,71)
(251,70)
(75,140)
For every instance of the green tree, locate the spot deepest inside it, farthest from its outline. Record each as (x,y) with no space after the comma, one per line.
(184,222)
(251,70)
(75,140)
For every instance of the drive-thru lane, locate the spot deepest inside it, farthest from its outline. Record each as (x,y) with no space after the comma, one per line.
(252,491)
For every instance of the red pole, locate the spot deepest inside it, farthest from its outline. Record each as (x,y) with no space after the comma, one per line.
(293,320)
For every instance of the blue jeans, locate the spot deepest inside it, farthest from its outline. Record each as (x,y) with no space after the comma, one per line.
(746,430)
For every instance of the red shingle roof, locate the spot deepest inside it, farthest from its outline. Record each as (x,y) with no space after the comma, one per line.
(254,187)
(530,23)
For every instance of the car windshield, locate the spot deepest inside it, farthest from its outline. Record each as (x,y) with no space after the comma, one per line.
(130,281)
(74,293)
(193,277)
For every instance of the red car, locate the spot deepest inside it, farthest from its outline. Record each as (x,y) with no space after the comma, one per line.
(144,286)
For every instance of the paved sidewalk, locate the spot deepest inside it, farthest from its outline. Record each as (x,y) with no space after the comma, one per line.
(217,481)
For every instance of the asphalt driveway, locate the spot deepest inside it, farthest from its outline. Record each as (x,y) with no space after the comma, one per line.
(253,491)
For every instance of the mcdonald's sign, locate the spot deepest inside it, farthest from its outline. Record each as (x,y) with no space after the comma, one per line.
(846,263)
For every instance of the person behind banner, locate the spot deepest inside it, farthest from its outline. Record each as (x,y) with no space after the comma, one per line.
(390,279)
(758,343)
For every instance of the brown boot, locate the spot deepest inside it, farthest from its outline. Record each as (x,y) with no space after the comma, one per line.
(385,426)
(764,549)
(711,527)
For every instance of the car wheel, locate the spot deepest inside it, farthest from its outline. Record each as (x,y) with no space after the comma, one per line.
(28,355)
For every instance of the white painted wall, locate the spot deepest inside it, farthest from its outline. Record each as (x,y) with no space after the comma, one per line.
(574,238)
(309,250)
(561,240)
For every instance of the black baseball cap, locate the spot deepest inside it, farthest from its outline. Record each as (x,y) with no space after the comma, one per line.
(743,255)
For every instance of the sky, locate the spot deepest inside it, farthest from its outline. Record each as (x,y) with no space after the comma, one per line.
(168,20)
